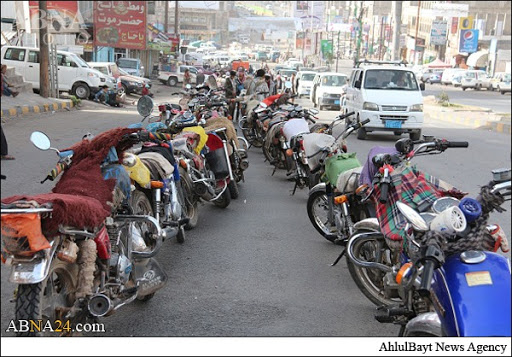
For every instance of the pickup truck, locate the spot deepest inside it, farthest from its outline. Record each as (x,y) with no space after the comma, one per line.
(175,77)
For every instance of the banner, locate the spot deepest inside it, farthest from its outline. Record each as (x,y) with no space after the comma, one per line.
(466,23)
(62,16)
(455,25)
(120,24)
(468,41)
(309,13)
(326,48)
(162,41)
(438,32)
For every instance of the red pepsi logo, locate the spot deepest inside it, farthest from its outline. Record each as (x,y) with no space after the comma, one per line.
(468,36)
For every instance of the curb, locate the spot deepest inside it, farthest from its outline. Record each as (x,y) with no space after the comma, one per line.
(48,107)
(488,120)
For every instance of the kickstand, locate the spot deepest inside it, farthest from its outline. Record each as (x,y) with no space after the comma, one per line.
(274,171)
(294,189)
(339,258)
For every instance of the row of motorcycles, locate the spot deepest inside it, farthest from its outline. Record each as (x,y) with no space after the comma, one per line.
(89,247)
(418,248)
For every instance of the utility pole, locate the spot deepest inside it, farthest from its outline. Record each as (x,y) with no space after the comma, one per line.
(166,19)
(176,20)
(373,37)
(338,52)
(381,39)
(44,54)
(360,32)
(416,35)
(397,7)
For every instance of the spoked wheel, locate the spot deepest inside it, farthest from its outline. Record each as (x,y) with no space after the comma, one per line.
(48,300)
(250,134)
(142,206)
(191,203)
(233,189)
(370,281)
(318,213)
(224,200)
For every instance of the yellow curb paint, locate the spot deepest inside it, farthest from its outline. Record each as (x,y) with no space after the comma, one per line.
(55,106)
(12,111)
(37,109)
(25,110)
(46,107)
(499,127)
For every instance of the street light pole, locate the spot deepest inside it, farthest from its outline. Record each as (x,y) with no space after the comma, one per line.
(44,56)
(416,35)
(360,32)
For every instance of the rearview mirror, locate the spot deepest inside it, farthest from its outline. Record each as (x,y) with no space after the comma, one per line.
(145,106)
(288,84)
(413,217)
(40,140)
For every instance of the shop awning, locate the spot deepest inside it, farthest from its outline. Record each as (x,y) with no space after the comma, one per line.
(478,59)
(437,63)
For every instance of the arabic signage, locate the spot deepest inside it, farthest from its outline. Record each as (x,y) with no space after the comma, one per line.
(120,24)
(162,41)
(438,32)
(468,41)
(62,16)
(449,9)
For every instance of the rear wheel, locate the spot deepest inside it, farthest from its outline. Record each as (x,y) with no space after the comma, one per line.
(172,81)
(192,211)
(43,301)
(318,213)
(81,91)
(224,200)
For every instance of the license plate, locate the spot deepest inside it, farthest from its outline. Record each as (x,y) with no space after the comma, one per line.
(337,101)
(395,124)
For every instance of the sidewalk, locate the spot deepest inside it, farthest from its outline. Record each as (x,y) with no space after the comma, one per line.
(468,116)
(27,102)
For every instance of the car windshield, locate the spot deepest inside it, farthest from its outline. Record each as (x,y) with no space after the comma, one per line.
(123,72)
(308,76)
(334,81)
(506,78)
(80,61)
(390,79)
(124,63)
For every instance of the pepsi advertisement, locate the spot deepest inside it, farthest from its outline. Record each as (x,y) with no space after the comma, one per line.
(468,41)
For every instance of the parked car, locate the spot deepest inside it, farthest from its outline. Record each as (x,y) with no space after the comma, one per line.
(75,75)
(496,79)
(131,65)
(327,89)
(130,84)
(175,77)
(457,79)
(427,72)
(473,79)
(449,73)
(261,56)
(305,82)
(434,78)
(390,96)
(504,85)
(286,73)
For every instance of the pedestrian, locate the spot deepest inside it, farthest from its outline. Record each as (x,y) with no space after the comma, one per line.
(3,147)
(5,84)
(102,95)
(271,85)
(145,91)
(293,80)
(230,89)
(200,77)
(261,85)
(186,78)
(240,79)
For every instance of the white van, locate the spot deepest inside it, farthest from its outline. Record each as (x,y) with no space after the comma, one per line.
(327,89)
(75,75)
(390,96)
(448,75)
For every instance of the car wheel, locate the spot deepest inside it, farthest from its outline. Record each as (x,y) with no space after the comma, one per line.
(81,91)
(172,81)
(415,135)
(464,88)
(125,88)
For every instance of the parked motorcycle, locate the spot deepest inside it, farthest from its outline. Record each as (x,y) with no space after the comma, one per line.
(334,205)
(80,253)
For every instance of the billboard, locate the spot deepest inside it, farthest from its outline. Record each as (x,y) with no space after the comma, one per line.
(162,41)
(309,13)
(62,16)
(326,47)
(466,23)
(120,24)
(468,41)
(438,32)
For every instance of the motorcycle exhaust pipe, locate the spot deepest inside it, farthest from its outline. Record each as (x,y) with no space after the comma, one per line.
(200,189)
(100,305)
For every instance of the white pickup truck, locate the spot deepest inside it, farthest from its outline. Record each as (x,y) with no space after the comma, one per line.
(173,78)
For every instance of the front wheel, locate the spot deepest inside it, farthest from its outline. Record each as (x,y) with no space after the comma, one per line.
(42,301)
(191,209)
(370,281)
(361,134)
(233,189)
(415,135)
(318,213)
(81,91)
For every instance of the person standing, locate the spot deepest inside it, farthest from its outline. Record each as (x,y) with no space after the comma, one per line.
(5,84)
(200,77)
(186,78)
(230,89)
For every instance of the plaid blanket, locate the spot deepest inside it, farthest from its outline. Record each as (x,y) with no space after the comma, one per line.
(414,188)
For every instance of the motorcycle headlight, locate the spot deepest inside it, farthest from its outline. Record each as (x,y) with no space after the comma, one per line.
(129,160)
(370,106)
(417,108)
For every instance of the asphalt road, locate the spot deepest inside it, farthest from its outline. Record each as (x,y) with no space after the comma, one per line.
(257,268)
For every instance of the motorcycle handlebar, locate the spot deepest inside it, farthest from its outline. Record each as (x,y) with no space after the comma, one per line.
(55,172)
(324,155)
(364,122)
(215,104)
(384,188)
(457,144)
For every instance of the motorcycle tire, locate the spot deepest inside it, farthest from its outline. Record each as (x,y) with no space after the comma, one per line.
(370,281)
(191,201)
(146,297)
(233,189)
(180,237)
(30,298)
(224,200)
(320,198)
(250,134)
